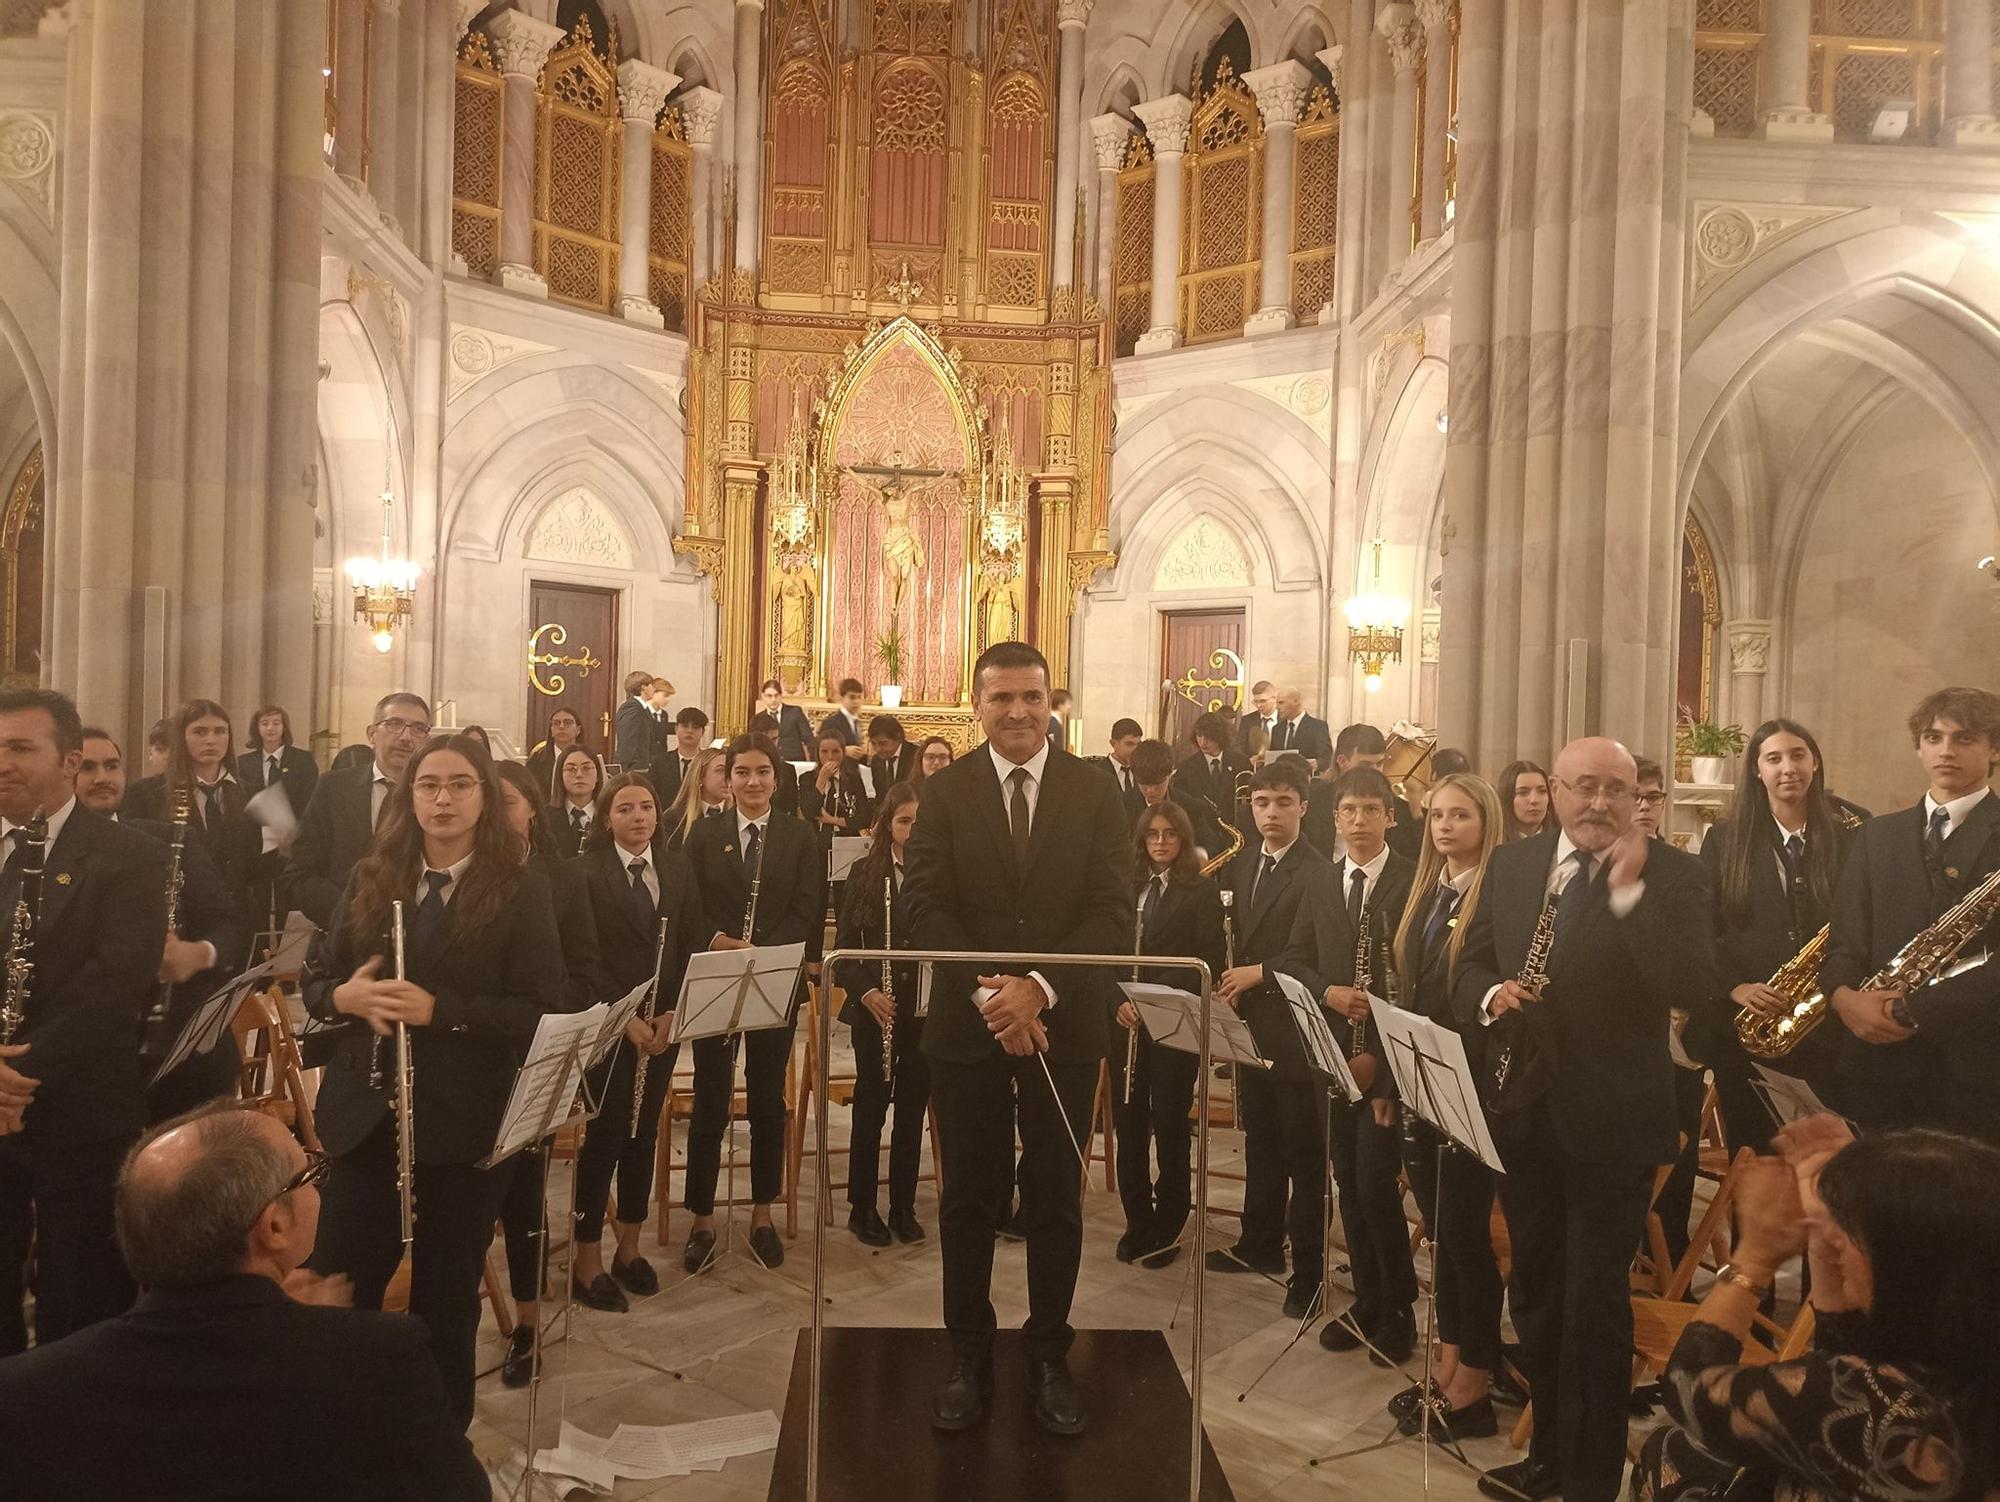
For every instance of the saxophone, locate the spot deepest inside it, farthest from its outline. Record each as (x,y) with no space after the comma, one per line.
(646,1010)
(1925,958)
(888,979)
(20,960)
(1796,980)
(1516,1047)
(156,1015)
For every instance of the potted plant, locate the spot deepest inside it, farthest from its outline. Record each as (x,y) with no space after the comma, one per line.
(889,652)
(1713,748)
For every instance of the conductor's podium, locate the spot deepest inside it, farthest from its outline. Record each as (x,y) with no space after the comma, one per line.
(877,1444)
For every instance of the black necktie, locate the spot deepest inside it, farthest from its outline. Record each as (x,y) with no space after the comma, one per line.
(1018,818)
(1265,867)
(1574,894)
(1356,880)
(576,821)
(641,898)
(383,807)
(1215,772)
(211,804)
(1934,835)
(271,777)
(428,924)
(751,843)
(1281,736)
(1155,890)
(1447,904)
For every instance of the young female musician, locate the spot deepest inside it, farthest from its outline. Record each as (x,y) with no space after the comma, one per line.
(565,729)
(201,770)
(932,757)
(635,883)
(1461,829)
(861,927)
(484,961)
(832,800)
(704,793)
(521,1213)
(1176,910)
(761,879)
(1524,801)
(1774,863)
(581,776)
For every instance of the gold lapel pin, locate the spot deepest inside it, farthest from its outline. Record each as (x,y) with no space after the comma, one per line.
(62,878)
(1952,872)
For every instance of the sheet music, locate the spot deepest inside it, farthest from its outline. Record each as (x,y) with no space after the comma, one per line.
(1323,1055)
(924,989)
(1434,1079)
(551,1074)
(867,776)
(847,849)
(1789,1099)
(738,990)
(210,1021)
(272,809)
(288,955)
(1172,1019)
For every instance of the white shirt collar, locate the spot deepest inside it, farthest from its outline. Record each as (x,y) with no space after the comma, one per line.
(1373,870)
(54,821)
(1565,848)
(1956,810)
(1265,853)
(744,824)
(1785,834)
(1035,765)
(1462,883)
(380,775)
(454,871)
(626,857)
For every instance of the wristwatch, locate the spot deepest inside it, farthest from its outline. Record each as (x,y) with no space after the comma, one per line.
(1731,1273)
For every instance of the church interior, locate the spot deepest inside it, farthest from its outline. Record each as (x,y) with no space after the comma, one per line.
(1495,372)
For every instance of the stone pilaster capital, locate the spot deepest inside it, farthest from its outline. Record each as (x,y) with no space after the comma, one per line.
(1073,12)
(1434,15)
(521,44)
(465,10)
(1335,58)
(1167,121)
(643,90)
(1749,645)
(701,112)
(1109,134)
(1396,24)
(1281,91)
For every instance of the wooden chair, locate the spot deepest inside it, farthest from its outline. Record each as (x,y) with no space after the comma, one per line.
(680,1107)
(272,1077)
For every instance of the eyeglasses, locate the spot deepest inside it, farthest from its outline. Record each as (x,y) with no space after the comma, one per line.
(315,1171)
(429,789)
(1651,800)
(1590,790)
(400,728)
(1359,813)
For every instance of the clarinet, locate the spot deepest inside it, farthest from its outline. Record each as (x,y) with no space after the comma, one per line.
(888,980)
(406,1122)
(756,880)
(646,1010)
(20,959)
(1364,977)
(1132,1033)
(156,1015)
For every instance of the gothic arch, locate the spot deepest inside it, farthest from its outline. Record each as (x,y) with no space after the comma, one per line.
(943,364)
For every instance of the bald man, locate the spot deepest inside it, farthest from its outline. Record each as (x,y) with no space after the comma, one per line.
(216,1212)
(1632,939)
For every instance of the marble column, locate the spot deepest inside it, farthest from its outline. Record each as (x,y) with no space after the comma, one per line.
(351,67)
(181,524)
(1349,225)
(1561,586)
(1071,16)
(1397,24)
(1968,76)
(748,144)
(1281,93)
(642,93)
(386,52)
(1435,18)
(1167,122)
(521,44)
(701,111)
(1788,113)
(1108,135)
(1749,659)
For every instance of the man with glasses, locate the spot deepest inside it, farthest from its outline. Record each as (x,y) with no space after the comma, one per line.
(216,1211)
(1632,939)
(339,823)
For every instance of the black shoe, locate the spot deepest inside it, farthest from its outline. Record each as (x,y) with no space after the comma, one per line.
(867,1225)
(1450,1425)
(1523,1481)
(1301,1299)
(699,1252)
(601,1293)
(765,1246)
(966,1396)
(1344,1332)
(1016,1228)
(905,1226)
(637,1277)
(1058,1405)
(1411,1398)
(1506,1391)
(1130,1244)
(517,1368)
(1164,1256)
(1394,1338)
(1240,1259)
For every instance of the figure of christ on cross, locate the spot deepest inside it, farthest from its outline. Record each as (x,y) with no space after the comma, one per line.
(902,553)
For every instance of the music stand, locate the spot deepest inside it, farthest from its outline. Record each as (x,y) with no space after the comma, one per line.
(1787,1097)
(844,852)
(209,1023)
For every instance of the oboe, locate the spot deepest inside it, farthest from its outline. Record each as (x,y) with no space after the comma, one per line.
(1132,1033)
(20,960)
(406,1121)
(646,1010)
(888,980)
(156,1016)
(1364,978)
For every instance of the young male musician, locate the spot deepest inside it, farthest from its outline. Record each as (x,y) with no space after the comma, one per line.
(1022,848)
(1153,770)
(71,1097)
(1253,728)
(1364,892)
(1929,1056)
(1630,943)
(339,824)
(845,722)
(1125,738)
(633,748)
(672,763)
(1359,745)
(1212,768)
(891,759)
(793,732)
(1284,1140)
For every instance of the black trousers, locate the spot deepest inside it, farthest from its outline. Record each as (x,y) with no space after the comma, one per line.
(1366,1158)
(359,1235)
(1457,1206)
(523,1220)
(64,1194)
(765,1053)
(1574,1227)
(912,1090)
(1284,1171)
(1163,1080)
(976,1111)
(611,1147)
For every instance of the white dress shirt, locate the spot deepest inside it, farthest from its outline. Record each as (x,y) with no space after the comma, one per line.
(1955,811)
(378,789)
(53,825)
(1034,766)
(450,888)
(1370,874)
(650,876)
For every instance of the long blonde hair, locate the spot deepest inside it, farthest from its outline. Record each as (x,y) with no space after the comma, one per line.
(1431,873)
(682,813)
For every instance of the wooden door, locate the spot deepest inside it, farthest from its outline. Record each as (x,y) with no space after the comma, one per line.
(1201,655)
(572,660)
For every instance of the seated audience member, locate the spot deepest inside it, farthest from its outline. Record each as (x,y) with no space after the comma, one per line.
(1899,1398)
(236,1376)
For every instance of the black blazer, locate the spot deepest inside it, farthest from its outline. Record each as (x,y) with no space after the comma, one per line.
(795,734)
(1247,724)
(1310,739)
(97,950)
(1193,777)
(636,727)
(1263,930)
(836,725)
(296,770)
(791,886)
(1131,800)
(628,942)
(334,833)
(235,843)
(568,841)
(1612,983)
(192,1362)
(1202,814)
(1884,899)
(786,798)
(542,767)
(967,890)
(584,981)
(1319,952)
(890,770)
(1428,992)
(492,986)
(852,796)
(666,771)
(1188,921)
(860,927)
(207,912)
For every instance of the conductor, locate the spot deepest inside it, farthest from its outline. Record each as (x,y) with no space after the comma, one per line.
(1017,847)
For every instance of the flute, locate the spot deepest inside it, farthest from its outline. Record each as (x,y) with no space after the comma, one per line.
(406,1125)
(1132,1033)
(646,1010)
(888,991)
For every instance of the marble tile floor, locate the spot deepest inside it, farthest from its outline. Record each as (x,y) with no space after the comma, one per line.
(722,1343)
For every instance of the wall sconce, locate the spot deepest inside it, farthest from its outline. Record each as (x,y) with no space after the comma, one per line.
(1375,624)
(385,587)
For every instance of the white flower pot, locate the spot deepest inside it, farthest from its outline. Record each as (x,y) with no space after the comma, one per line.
(892,695)
(1712,771)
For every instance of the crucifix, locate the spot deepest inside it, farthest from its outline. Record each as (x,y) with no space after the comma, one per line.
(902,553)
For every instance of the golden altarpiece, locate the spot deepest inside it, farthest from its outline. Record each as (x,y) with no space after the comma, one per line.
(898,426)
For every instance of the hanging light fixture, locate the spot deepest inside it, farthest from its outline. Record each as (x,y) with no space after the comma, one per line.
(1375,622)
(385,587)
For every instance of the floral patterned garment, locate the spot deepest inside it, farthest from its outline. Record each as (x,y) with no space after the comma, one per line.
(1825,1428)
